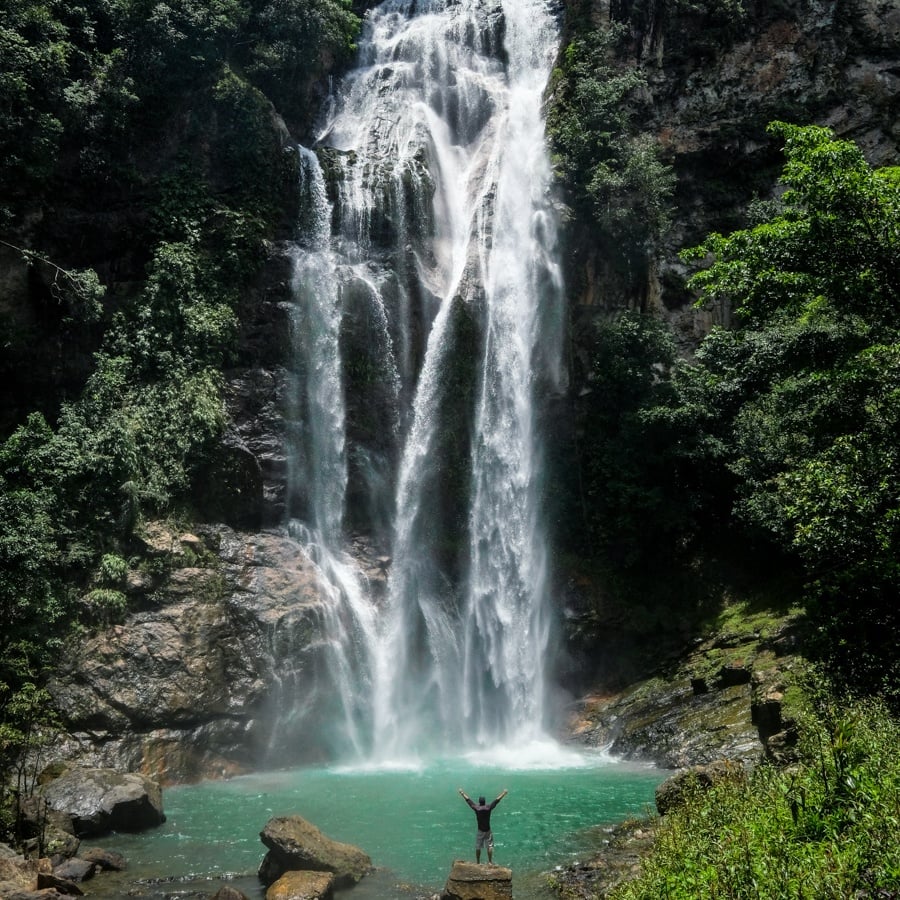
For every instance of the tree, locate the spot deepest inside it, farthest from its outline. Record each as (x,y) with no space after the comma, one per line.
(805,391)
(613,175)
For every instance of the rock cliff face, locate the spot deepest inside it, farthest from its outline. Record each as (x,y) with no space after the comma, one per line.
(200,682)
(713,84)
(724,698)
(714,81)
(192,684)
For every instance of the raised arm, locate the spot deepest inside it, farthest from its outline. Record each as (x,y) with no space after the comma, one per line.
(465,796)
(502,795)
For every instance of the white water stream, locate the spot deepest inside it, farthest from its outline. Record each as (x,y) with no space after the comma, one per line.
(429,291)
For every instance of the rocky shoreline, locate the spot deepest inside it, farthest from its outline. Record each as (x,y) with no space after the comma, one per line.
(188,688)
(724,698)
(720,708)
(616,861)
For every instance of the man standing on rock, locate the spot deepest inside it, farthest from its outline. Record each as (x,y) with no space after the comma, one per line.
(484,837)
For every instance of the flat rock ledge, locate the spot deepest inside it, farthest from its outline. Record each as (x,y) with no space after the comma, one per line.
(472,881)
(296,845)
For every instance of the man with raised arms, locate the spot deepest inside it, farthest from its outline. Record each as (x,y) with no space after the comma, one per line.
(484,837)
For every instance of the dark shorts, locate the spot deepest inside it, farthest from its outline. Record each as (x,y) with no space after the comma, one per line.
(484,839)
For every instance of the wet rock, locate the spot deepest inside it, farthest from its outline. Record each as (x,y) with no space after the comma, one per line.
(302,886)
(617,861)
(107,860)
(673,791)
(295,844)
(98,801)
(471,881)
(227,892)
(669,723)
(718,699)
(192,684)
(60,885)
(75,869)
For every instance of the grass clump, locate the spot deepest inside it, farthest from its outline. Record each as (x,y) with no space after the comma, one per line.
(828,827)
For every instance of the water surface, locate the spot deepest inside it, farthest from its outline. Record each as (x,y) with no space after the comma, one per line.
(407,817)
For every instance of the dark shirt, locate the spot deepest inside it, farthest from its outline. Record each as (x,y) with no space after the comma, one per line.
(483,813)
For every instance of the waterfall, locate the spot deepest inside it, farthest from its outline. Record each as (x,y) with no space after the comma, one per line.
(428,319)
(319,463)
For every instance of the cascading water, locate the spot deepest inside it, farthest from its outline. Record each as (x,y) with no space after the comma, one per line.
(435,309)
(320,464)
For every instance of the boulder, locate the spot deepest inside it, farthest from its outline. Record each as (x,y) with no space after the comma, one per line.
(227,892)
(295,844)
(102,800)
(18,873)
(107,860)
(63,886)
(75,870)
(302,886)
(673,792)
(59,843)
(471,881)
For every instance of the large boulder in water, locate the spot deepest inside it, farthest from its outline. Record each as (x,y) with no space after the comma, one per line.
(295,844)
(98,801)
(472,881)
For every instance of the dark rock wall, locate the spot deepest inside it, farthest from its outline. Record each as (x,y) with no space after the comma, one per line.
(713,85)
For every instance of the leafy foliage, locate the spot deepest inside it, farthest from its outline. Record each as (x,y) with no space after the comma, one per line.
(293,40)
(28,726)
(803,394)
(780,436)
(825,828)
(612,173)
(627,477)
(832,249)
(85,90)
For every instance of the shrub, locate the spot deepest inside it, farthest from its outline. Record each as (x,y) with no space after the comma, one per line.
(826,828)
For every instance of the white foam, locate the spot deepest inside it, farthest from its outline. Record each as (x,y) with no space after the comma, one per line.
(411,765)
(538,755)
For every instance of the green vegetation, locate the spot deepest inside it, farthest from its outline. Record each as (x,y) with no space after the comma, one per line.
(627,481)
(779,438)
(803,394)
(825,828)
(612,172)
(142,170)
(778,441)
